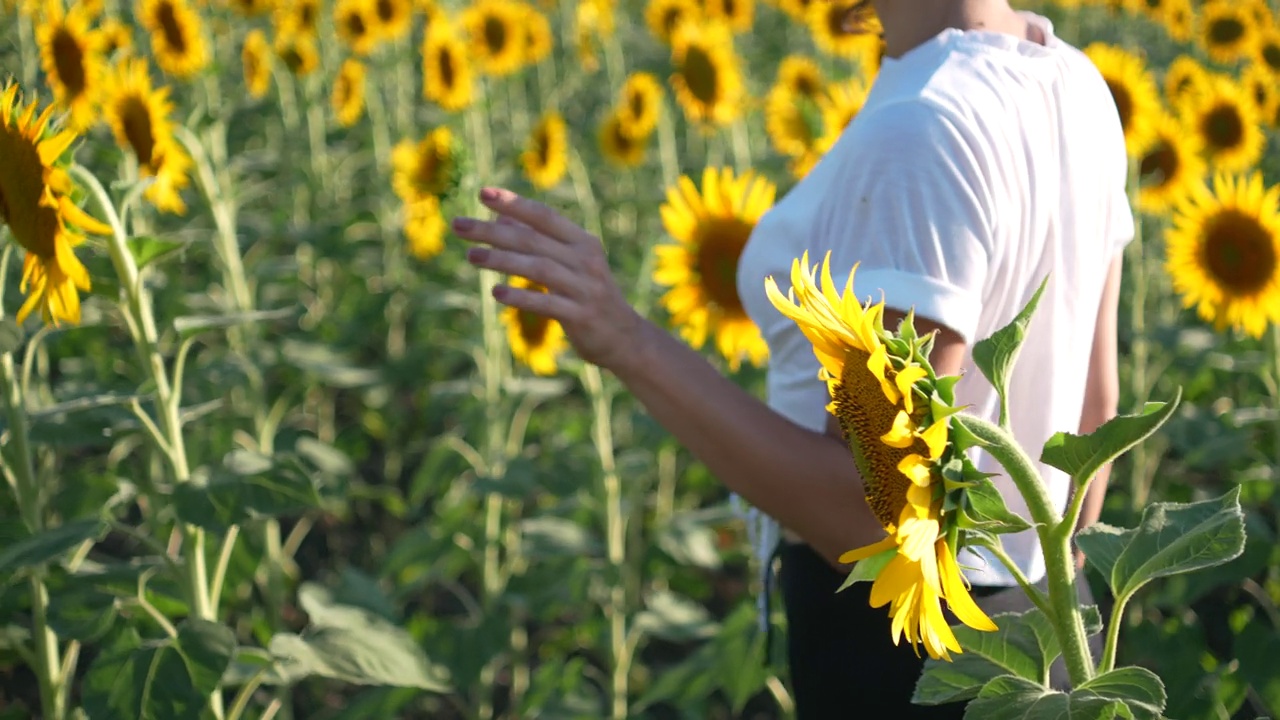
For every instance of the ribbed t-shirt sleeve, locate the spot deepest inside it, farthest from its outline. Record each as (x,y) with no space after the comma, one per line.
(918,215)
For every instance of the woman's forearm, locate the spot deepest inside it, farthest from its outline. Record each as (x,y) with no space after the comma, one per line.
(806,480)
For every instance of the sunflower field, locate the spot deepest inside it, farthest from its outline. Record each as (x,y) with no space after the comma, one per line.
(273,450)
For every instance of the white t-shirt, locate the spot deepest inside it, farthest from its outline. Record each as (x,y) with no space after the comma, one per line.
(980,164)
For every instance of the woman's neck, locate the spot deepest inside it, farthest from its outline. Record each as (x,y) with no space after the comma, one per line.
(909,23)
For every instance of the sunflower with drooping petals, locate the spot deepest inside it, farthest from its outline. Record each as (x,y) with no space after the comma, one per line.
(428,168)
(707,78)
(177,36)
(72,62)
(356,25)
(36,205)
(1184,77)
(640,104)
(619,146)
(546,157)
(1133,90)
(1170,167)
(255,56)
(495,35)
(711,228)
(424,227)
(347,99)
(138,114)
(1226,30)
(663,17)
(1223,253)
(893,412)
(1228,123)
(535,340)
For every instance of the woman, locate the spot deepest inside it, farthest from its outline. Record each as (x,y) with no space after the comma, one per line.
(988,155)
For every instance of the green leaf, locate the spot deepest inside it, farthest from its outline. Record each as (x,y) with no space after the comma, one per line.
(988,512)
(1255,648)
(675,618)
(690,542)
(1172,538)
(330,365)
(147,249)
(147,682)
(84,615)
(1139,688)
(1014,698)
(49,545)
(246,487)
(188,325)
(868,569)
(548,537)
(11,335)
(1023,645)
(206,649)
(353,645)
(1081,456)
(996,355)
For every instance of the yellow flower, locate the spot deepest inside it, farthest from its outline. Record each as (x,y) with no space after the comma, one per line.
(447,78)
(250,8)
(884,399)
(428,168)
(618,146)
(640,104)
(177,40)
(138,115)
(1266,51)
(828,23)
(707,80)
(356,25)
(256,58)
(36,205)
(839,106)
(547,156)
(69,55)
(348,92)
(116,38)
(1184,77)
(298,53)
(1259,82)
(1226,30)
(1178,18)
(1132,89)
(792,121)
(298,16)
(710,229)
(535,340)
(1170,167)
(539,40)
(391,18)
(1223,253)
(424,227)
(799,74)
(1227,122)
(664,16)
(495,35)
(737,14)
(798,10)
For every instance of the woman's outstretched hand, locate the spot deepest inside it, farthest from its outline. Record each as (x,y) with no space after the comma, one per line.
(533,241)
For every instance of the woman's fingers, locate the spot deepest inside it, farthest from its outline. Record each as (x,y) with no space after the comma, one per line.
(547,272)
(509,234)
(557,307)
(535,215)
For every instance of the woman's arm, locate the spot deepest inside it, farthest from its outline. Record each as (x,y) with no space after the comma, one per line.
(807,480)
(1102,391)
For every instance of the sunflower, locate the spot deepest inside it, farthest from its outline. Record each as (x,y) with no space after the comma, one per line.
(1184,77)
(618,146)
(799,74)
(1178,18)
(792,121)
(1227,122)
(447,78)
(798,10)
(1226,30)
(710,229)
(894,414)
(535,340)
(256,58)
(539,40)
(1170,167)
(428,168)
(424,227)
(69,54)
(36,205)
(707,80)
(640,104)
(138,115)
(593,21)
(832,34)
(1266,51)
(1223,253)
(298,16)
(177,37)
(737,14)
(839,105)
(664,16)
(298,53)
(251,8)
(546,157)
(348,92)
(1132,89)
(391,18)
(115,38)
(1260,83)
(356,25)
(495,36)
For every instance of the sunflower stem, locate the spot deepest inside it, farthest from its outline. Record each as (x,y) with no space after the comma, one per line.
(1037,597)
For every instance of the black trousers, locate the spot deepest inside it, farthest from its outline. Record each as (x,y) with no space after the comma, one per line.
(843,661)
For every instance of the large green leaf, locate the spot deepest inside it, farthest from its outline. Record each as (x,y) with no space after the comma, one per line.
(83,615)
(48,545)
(988,512)
(996,355)
(1081,456)
(160,680)
(245,487)
(1023,645)
(1138,687)
(1172,538)
(1014,698)
(353,645)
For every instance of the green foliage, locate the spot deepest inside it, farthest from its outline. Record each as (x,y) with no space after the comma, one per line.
(48,545)
(1130,693)
(996,355)
(1082,456)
